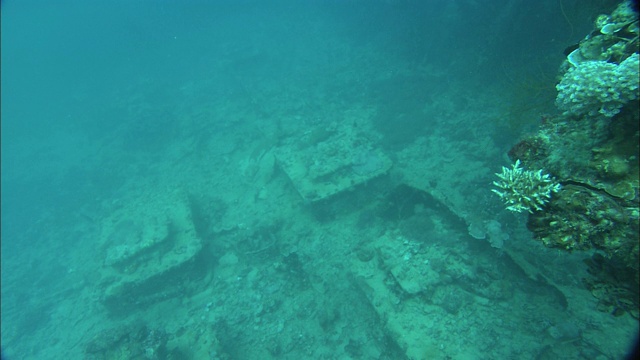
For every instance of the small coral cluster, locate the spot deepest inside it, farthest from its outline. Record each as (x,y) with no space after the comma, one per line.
(598,87)
(524,190)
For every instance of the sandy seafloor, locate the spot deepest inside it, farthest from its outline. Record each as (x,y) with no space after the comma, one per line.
(385,269)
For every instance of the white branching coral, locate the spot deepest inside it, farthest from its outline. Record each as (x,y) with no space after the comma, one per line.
(524,190)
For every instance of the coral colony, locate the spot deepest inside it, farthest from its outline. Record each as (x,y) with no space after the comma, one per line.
(522,189)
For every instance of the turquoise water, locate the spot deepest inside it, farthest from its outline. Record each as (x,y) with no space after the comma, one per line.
(283,179)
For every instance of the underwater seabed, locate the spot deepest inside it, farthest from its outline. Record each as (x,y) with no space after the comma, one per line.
(229,255)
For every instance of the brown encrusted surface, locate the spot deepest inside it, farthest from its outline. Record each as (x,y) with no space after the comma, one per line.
(596,161)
